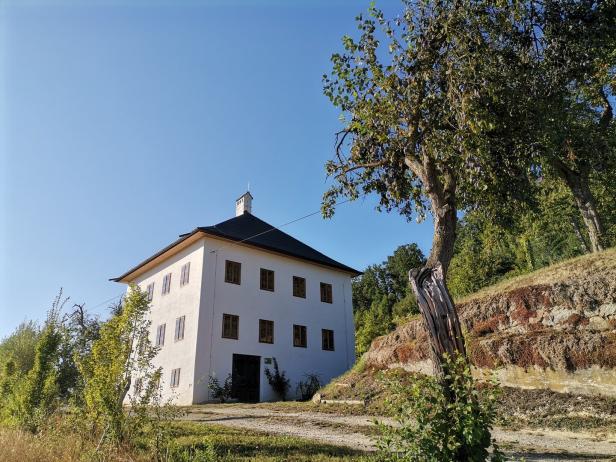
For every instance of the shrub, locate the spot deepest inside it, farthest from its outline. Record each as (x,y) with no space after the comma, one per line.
(121,353)
(222,393)
(306,389)
(435,427)
(278,380)
(36,397)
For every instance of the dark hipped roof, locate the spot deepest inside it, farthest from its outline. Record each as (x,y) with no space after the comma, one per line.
(248,229)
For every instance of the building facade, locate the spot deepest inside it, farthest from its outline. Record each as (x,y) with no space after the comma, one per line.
(229,298)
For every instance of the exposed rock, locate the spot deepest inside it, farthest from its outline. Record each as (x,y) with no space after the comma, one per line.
(566,324)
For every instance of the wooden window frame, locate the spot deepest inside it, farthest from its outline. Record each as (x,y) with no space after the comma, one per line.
(229,272)
(175,378)
(299,287)
(231,318)
(160,335)
(327,293)
(180,326)
(303,335)
(166,284)
(264,326)
(267,280)
(185,274)
(327,340)
(150,291)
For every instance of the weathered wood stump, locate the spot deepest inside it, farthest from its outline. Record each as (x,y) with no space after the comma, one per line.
(439,314)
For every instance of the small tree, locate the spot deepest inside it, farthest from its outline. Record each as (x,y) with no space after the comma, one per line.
(278,380)
(221,392)
(20,346)
(432,427)
(122,353)
(38,394)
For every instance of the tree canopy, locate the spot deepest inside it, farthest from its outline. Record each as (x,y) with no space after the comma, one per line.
(428,124)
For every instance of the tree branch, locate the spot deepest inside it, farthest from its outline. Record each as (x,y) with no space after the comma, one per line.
(608,113)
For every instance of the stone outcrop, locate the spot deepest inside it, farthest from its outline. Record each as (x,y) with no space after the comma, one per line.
(553,329)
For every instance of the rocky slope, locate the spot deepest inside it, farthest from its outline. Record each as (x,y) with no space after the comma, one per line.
(555,328)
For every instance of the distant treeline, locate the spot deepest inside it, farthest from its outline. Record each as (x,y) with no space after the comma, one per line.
(486,251)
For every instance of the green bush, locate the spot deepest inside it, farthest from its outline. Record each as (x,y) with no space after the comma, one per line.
(440,420)
(220,392)
(307,388)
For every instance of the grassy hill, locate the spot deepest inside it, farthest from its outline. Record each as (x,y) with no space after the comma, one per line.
(554,328)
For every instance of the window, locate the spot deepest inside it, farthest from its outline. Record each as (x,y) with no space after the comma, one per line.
(166,283)
(230,326)
(160,335)
(266,331)
(138,386)
(326,292)
(185,274)
(179,328)
(299,336)
(328,339)
(175,378)
(299,287)
(267,280)
(233,272)
(150,291)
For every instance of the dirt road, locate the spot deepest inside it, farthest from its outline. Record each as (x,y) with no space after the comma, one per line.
(358,431)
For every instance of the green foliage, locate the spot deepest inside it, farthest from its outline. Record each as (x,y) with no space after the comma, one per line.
(438,421)
(37,396)
(428,121)
(372,323)
(382,295)
(278,380)
(122,352)
(308,387)
(19,347)
(205,453)
(487,252)
(220,392)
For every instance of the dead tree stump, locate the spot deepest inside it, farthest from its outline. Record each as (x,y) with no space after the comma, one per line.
(439,315)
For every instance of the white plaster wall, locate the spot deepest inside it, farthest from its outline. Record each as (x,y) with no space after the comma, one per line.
(214,354)
(180,301)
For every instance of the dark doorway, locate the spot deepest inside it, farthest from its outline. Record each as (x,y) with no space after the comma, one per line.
(246,374)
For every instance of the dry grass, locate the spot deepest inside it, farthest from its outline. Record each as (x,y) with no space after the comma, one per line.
(591,263)
(16,445)
(229,445)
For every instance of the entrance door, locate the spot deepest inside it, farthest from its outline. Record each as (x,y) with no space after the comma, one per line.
(246,374)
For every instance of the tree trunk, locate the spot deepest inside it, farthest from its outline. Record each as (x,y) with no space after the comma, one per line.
(444,236)
(579,185)
(578,234)
(428,283)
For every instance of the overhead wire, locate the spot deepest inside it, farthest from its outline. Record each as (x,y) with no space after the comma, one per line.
(252,237)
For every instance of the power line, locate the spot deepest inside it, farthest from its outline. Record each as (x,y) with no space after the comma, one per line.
(252,237)
(273,228)
(107,301)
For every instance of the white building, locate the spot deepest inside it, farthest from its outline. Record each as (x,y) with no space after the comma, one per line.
(226,299)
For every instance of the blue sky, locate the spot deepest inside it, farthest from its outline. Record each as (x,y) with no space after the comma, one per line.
(125,124)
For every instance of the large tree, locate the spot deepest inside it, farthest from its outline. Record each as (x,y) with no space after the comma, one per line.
(429,126)
(572,63)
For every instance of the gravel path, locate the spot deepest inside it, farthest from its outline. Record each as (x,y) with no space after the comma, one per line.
(356,431)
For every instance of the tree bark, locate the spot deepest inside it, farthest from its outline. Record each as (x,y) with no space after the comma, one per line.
(578,183)
(578,234)
(428,283)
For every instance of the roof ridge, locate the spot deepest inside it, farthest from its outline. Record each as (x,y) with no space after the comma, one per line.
(238,229)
